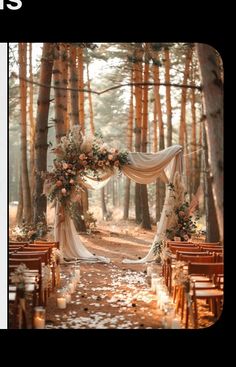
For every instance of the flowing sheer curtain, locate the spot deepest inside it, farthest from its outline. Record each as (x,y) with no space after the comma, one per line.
(144,168)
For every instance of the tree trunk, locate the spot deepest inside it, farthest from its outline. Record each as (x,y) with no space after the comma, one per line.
(32,129)
(160,186)
(41,144)
(213,104)
(103,203)
(138,125)
(19,214)
(168,97)
(90,102)
(64,83)
(23,100)
(75,119)
(129,146)
(146,223)
(212,229)
(81,86)
(74,85)
(193,186)
(182,129)
(60,128)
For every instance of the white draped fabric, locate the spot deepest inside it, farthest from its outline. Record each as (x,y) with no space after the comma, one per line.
(143,168)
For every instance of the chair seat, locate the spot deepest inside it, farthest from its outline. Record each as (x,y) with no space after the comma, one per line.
(204,285)
(200,278)
(205,293)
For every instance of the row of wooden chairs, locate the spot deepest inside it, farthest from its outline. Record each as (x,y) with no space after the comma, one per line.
(204,265)
(36,256)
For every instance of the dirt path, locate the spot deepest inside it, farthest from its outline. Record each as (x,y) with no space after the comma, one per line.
(111,295)
(114,295)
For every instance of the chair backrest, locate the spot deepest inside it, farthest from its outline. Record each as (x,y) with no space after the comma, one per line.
(205,268)
(54,243)
(210,244)
(198,259)
(180,243)
(212,249)
(190,253)
(174,249)
(31,254)
(37,248)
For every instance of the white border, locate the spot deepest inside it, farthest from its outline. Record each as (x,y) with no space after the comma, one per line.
(3,184)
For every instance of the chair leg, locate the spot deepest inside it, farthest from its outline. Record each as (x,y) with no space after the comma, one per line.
(195,314)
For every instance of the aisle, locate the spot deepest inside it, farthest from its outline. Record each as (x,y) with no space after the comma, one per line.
(109,296)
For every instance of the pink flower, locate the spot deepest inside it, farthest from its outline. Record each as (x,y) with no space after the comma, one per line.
(65,165)
(82,156)
(58,183)
(181,214)
(63,191)
(110,157)
(72,182)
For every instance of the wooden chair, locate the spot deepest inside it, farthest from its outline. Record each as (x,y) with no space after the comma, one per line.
(214,296)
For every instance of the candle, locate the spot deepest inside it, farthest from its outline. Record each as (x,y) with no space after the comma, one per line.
(175,323)
(68,297)
(61,302)
(71,287)
(77,274)
(39,322)
(149,270)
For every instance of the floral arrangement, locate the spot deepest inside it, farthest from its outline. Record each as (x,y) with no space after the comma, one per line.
(18,277)
(181,277)
(56,256)
(161,252)
(76,156)
(180,220)
(28,232)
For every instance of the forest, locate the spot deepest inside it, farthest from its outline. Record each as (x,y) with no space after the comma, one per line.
(115,185)
(139,97)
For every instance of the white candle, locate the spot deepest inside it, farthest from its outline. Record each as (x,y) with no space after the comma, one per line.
(61,302)
(71,288)
(149,270)
(68,298)
(77,273)
(39,322)
(175,323)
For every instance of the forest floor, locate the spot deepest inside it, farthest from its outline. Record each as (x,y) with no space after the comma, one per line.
(114,295)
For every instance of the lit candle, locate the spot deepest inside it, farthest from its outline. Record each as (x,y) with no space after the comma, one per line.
(39,322)
(61,302)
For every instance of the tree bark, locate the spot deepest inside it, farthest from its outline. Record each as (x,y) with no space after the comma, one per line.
(182,128)
(90,102)
(213,104)
(74,84)
(32,129)
(129,146)
(41,144)
(103,202)
(19,214)
(168,97)
(160,186)
(60,128)
(138,126)
(212,229)
(146,223)
(81,86)
(27,214)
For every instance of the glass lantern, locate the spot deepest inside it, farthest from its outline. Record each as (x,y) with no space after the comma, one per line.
(39,318)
